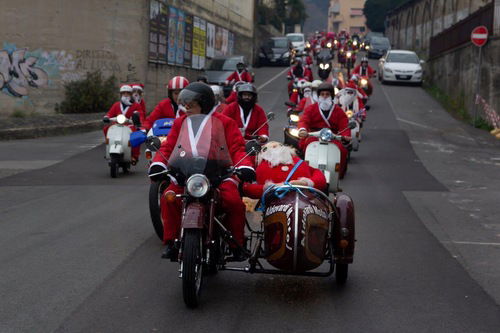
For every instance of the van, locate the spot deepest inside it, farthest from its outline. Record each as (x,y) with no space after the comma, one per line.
(298,41)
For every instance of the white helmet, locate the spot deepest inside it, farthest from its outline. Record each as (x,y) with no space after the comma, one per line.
(217,91)
(125,88)
(315,84)
(302,84)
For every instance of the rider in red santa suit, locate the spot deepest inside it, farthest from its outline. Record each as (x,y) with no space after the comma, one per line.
(168,108)
(364,69)
(275,162)
(137,94)
(198,98)
(325,114)
(298,95)
(298,71)
(127,107)
(233,97)
(249,116)
(240,74)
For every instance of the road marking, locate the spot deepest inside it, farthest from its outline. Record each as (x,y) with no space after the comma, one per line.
(415,124)
(272,79)
(476,243)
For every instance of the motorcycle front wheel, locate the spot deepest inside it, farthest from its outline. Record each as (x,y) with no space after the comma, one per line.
(192,267)
(156,190)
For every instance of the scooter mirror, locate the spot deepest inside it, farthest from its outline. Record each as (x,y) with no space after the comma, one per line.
(153,143)
(270,116)
(252,147)
(290,104)
(352,125)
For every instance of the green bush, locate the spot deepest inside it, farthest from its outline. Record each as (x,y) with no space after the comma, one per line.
(89,95)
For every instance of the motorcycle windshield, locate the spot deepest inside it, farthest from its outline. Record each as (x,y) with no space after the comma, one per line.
(201,148)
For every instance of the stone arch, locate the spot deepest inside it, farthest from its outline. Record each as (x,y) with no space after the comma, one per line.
(437,17)
(408,30)
(426,25)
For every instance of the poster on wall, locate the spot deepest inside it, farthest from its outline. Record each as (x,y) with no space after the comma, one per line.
(202,43)
(181,26)
(210,40)
(218,41)
(172,35)
(163,33)
(196,39)
(188,40)
(225,38)
(154,14)
(230,47)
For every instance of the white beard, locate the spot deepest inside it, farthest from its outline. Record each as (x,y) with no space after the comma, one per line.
(277,156)
(346,100)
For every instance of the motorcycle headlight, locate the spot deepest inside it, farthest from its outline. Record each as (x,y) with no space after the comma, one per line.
(354,43)
(321,66)
(336,90)
(336,42)
(364,82)
(326,135)
(349,113)
(349,54)
(327,66)
(294,132)
(295,118)
(197,185)
(121,119)
(367,47)
(329,45)
(308,45)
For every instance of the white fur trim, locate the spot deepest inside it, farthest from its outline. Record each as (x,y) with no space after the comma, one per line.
(245,167)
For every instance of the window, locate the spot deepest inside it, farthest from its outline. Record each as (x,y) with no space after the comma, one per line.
(357,12)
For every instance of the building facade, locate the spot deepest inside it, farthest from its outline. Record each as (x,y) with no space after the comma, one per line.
(45,44)
(347,15)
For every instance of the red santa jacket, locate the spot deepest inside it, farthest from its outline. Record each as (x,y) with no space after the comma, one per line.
(235,76)
(304,103)
(233,97)
(164,109)
(128,111)
(312,119)
(234,141)
(295,97)
(278,174)
(255,119)
(366,72)
(307,74)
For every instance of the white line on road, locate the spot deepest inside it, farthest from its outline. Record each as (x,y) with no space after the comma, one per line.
(415,124)
(272,79)
(476,243)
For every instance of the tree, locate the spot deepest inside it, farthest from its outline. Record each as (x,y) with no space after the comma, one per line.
(376,10)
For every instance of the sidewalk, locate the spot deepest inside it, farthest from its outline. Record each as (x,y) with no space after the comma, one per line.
(466,219)
(48,125)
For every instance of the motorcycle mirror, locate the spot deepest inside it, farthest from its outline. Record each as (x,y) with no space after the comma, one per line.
(290,104)
(352,125)
(153,143)
(252,147)
(136,119)
(270,116)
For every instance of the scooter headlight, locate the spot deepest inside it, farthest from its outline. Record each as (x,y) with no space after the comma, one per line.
(326,135)
(197,185)
(349,113)
(367,47)
(349,54)
(326,66)
(364,82)
(355,43)
(294,132)
(321,66)
(329,44)
(121,119)
(336,90)
(295,118)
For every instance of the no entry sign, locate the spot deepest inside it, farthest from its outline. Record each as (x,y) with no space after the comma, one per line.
(479,36)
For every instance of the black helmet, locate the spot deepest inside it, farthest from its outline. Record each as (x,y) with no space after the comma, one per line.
(202,78)
(198,92)
(248,88)
(326,87)
(240,66)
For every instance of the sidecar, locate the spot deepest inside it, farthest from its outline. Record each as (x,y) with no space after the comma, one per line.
(301,229)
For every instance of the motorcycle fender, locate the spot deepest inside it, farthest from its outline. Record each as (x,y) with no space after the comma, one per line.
(345,219)
(194,216)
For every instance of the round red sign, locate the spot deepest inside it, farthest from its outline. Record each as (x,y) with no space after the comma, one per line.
(479,36)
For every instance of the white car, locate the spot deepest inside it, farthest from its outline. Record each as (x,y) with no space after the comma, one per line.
(298,41)
(400,66)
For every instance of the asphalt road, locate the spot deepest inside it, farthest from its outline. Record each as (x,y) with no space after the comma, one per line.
(78,252)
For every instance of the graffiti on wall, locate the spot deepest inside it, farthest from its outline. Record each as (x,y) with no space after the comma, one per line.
(92,60)
(18,72)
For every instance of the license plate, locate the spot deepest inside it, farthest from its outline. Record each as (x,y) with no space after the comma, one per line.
(404,77)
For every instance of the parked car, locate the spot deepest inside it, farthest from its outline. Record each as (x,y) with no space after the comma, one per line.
(378,47)
(298,41)
(219,68)
(372,34)
(276,50)
(400,66)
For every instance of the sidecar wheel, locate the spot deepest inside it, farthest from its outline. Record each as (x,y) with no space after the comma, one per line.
(192,267)
(341,272)
(156,190)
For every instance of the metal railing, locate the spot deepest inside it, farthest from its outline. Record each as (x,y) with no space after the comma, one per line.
(460,33)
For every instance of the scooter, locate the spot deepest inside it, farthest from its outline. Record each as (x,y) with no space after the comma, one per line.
(325,155)
(118,145)
(291,131)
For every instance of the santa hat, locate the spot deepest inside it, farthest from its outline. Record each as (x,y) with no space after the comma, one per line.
(138,86)
(351,85)
(125,88)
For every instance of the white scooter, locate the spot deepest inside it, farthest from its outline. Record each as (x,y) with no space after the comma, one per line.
(326,156)
(118,147)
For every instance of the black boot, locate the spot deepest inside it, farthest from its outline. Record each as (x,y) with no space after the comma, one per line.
(237,255)
(170,251)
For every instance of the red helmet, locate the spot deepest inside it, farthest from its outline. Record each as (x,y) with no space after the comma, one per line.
(177,82)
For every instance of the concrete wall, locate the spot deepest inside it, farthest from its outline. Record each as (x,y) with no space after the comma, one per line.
(52,42)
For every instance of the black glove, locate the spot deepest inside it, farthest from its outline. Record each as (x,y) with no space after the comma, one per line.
(157,172)
(105,120)
(246,174)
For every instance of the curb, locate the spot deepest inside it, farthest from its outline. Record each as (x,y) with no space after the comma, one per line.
(37,132)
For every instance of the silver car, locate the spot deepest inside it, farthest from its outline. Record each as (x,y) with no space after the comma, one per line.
(219,68)
(400,66)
